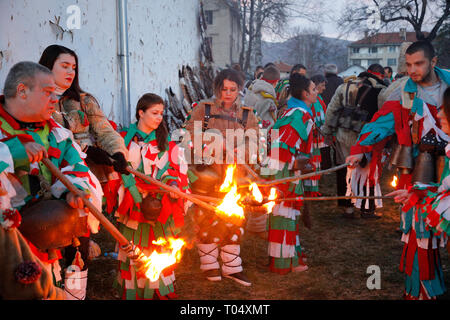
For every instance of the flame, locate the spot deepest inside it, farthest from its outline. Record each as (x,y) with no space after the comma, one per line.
(229,206)
(157,262)
(394,182)
(256,193)
(226,185)
(272,196)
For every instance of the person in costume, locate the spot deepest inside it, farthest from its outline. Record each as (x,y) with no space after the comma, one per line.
(318,109)
(214,117)
(410,114)
(22,275)
(432,201)
(30,134)
(290,155)
(80,112)
(143,214)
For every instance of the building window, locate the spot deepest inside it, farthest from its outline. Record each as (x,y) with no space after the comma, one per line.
(373,50)
(372,61)
(392,48)
(209,16)
(355,50)
(356,62)
(392,62)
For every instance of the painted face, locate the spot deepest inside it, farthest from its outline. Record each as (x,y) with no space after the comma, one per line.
(310,96)
(64,70)
(445,126)
(151,118)
(229,93)
(40,100)
(418,66)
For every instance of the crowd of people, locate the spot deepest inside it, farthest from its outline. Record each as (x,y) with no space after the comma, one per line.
(312,122)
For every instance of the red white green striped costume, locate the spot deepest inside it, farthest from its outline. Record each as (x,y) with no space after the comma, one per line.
(295,134)
(318,110)
(169,167)
(420,258)
(63,152)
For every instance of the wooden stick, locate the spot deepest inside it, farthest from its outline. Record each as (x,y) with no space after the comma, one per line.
(100,217)
(177,191)
(295,178)
(332,198)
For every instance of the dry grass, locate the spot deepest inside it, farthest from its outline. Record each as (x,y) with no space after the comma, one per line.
(339,251)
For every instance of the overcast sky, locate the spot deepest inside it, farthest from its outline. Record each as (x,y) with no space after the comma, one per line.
(328,25)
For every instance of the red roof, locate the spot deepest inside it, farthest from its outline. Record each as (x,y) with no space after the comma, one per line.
(387,38)
(283,67)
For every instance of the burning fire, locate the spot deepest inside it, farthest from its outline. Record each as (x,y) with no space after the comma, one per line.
(272,196)
(229,206)
(226,185)
(256,193)
(157,262)
(394,181)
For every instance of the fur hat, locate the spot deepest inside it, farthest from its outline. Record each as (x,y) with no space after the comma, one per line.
(331,68)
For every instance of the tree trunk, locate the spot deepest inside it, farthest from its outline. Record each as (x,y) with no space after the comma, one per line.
(258,35)
(251,35)
(243,5)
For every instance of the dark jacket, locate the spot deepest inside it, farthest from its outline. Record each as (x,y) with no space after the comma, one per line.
(333,81)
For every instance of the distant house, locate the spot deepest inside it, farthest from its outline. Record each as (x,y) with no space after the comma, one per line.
(284,68)
(224,31)
(351,71)
(382,48)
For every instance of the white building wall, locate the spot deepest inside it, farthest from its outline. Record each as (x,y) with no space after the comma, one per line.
(163,36)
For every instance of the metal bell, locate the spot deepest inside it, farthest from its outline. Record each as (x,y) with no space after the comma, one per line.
(151,208)
(303,164)
(424,168)
(51,224)
(401,157)
(208,179)
(440,165)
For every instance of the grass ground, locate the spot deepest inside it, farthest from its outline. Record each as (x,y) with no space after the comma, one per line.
(339,252)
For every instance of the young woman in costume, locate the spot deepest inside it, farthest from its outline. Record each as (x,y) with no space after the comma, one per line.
(80,112)
(145,215)
(290,153)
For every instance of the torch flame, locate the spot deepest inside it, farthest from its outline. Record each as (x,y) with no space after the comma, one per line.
(394,181)
(256,193)
(229,206)
(272,196)
(226,185)
(157,262)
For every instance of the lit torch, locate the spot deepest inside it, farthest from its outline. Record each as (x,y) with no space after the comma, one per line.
(229,208)
(394,181)
(272,196)
(157,262)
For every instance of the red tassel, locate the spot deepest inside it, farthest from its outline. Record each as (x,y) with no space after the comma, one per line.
(410,253)
(424,267)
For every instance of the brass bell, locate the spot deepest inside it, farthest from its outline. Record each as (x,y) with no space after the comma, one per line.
(401,157)
(208,179)
(151,208)
(51,224)
(303,164)
(424,168)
